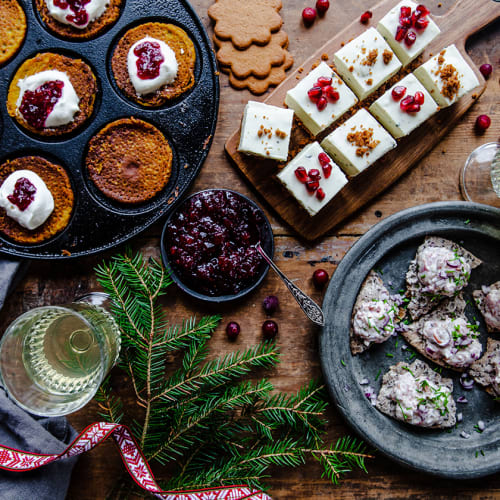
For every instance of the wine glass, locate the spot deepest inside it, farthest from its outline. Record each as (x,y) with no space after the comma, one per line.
(480,176)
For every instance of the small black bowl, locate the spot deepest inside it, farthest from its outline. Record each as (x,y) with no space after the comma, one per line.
(267,243)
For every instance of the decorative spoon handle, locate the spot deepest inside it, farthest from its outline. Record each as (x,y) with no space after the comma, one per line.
(310,308)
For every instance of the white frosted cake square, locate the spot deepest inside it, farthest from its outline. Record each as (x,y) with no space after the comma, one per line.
(447,76)
(313,178)
(404,107)
(358,143)
(366,62)
(408,30)
(316,113)
(265,131)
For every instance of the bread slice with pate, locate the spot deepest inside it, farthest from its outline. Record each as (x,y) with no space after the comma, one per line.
(417,395)
(486,371)
(440,269)
(488,302)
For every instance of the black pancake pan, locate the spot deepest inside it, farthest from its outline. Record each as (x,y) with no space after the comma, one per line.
(188,122)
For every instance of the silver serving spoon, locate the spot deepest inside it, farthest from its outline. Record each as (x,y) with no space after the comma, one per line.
(310,308)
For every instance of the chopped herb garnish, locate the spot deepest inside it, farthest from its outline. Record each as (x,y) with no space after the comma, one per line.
(408,370)
(467,221)
(378,375)
(389,354)
(342,362)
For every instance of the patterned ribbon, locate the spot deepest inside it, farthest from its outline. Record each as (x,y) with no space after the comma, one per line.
(137,466)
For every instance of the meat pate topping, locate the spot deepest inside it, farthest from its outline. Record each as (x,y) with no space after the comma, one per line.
(453,341)
(419,401)
(442,271)
(374,320)
(492,308)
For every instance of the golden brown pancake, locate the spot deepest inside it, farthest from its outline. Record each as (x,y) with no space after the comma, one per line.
(94,28)
(12,28)
(129,160)
(178,40)
(81,77)
(58,183)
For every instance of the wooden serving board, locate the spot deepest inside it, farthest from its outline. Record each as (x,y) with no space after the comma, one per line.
(463,20)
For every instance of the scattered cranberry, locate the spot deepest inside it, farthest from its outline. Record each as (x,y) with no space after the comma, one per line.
(419,97)
(320,194)
(483,122)
(301,174)
(365,17)
(308,16)
(232,330)
(270,329)
(398,92)
(486,70)
(410,38)
(270,304)
(322,6)
(320,278)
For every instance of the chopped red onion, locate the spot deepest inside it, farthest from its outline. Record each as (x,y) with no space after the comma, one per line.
(386,321)
(464,435)
(365,381)
(481,425)
(485,289)
(370,394)
(454,266)
(460,417)
(429,350)
(466,381)
(462,399)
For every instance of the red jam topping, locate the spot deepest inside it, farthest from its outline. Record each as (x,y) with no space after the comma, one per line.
(211,242)
(408,19)
(322,92)
(149,60)
(23,195)
(38,104)
(80,16)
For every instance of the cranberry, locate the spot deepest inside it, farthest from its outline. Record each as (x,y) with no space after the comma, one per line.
(405,12)
(309,16)
(421,23)
(80,16)
(314,174)
(270,329)
(324,81)
(149,60)
(36,105)
(320,194)
(23,195)
(322,103)
(406,102)
(365,17)
(320,278)
(422,11)
(322,6)
(301,174)
(270,304)
(401,33)
(483,122)
(419,97)
(327,170)
(398,92)
(410,38)
(486,70)
(312,186)
(232,330)
(323,159)
(331,93)
(315,93)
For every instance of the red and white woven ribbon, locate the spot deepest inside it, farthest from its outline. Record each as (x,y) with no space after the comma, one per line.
(17,460)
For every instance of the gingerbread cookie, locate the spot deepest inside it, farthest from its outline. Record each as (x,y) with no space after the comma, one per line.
(246,21)
(259,85)
(256,60)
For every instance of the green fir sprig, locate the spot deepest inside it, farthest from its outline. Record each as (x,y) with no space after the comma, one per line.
(210,425)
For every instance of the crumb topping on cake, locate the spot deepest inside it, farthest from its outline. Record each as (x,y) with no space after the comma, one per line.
(451,81)
(371,58)
(387,56)
(363,140)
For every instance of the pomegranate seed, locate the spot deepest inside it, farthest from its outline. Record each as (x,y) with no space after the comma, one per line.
(410,38)
(324,81)
(320,278)
(320,194)
(270,329)
(483,122)
(322,6)
(401,33)
(407,101)
(314,93)
(414,19)
(486,70)
(331,93)
(405,22)
(327,170)
(413,108)
(422,10)
(321,104)
(232,330)
(270,304)
(301,174)
(314,174)
(405,12)
(308,15)
(323,159)
(421,23)
(419,97)
(365,17)
(312,186)
(398,92)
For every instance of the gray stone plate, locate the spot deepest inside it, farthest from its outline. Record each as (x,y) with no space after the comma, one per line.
(389,247)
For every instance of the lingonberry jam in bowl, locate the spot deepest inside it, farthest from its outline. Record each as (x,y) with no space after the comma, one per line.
(208,243)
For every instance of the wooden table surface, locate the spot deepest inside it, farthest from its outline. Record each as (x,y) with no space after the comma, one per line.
(434,178)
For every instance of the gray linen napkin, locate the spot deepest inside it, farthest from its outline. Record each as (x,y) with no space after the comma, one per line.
(26,432)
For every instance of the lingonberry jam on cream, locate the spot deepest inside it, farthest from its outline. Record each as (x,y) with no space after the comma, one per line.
(77,13)
(441,271)
(211,243)
(23,194)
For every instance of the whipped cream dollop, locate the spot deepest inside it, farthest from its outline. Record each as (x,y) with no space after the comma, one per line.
(492,308)
(37,210)
(167,69)
(76,13)
(419,401)
(441,271)
(374,320)
(66,106)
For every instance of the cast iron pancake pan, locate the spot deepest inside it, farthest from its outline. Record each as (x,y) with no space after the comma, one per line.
(389,247)
(188,122)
